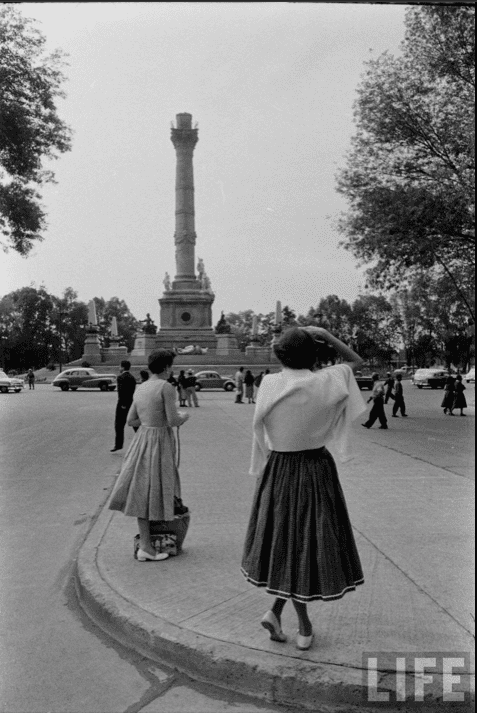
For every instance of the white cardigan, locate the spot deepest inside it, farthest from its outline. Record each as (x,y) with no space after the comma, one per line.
(299,410)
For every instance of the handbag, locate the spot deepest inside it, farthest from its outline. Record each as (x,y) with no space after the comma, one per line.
(168,535)
(162,542)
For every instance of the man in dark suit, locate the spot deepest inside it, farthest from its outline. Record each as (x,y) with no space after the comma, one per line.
(126,387)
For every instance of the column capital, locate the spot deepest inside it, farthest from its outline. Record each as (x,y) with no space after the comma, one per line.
(184,138)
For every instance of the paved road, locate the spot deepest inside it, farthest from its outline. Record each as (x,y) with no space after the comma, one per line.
(56,472)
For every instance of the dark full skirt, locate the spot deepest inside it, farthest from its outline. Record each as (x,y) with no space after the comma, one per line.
(459,400)
(448,400)
(299,543)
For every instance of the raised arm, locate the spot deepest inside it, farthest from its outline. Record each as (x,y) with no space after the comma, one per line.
(174,418)
(349,356)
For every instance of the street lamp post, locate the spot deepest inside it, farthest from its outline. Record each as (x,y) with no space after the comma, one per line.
(60,314)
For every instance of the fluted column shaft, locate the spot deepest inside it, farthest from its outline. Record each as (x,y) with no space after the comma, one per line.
(184,139)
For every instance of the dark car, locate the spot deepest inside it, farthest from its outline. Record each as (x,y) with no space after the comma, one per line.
(213,380)
(87,378)
(364,381)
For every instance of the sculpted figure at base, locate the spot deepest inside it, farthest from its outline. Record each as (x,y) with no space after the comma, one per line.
(167,282)
(149,326)
(222,326)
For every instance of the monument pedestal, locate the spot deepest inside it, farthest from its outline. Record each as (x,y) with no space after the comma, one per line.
(186,318)
(92,347)
(258,352)
(144,344)
(115,353)
(226,344)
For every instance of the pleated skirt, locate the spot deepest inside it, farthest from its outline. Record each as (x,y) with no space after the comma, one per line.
(149,478)
(299,543)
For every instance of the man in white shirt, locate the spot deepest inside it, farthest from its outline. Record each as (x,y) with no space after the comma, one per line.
(377,410)
(239,377)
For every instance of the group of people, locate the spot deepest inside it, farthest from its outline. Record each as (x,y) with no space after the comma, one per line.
(126,384)
(391,389)
(248,383)
(185,385)
(299,543)
(454,397)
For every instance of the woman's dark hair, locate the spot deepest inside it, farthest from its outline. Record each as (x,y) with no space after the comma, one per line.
(296,349)
(159,360)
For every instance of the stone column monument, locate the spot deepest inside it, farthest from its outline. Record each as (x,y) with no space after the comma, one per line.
(92,345)
(186,304)
(115,352)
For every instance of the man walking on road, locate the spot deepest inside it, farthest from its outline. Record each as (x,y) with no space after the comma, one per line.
(389,384)
(126,387)
(377,410)
(31,379)
(239,377)
(399,398)
(191,392)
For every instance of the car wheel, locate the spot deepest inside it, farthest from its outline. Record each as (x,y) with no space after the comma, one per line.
(4,389)
(419,387)
(229,387)
(64,387)
(103,387)
(198,387)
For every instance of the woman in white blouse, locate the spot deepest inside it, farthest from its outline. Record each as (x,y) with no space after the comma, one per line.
(299,543)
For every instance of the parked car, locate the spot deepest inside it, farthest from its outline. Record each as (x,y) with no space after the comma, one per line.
(470,376)
(88,378)
(434,378)
(213,380)
(10,383)
(364,381)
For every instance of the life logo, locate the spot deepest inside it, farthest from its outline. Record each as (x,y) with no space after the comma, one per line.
(418,677)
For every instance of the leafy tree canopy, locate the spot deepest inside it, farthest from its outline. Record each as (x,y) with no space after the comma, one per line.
(30,129)
(409,177)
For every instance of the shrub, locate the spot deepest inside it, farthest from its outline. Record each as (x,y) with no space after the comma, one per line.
(85,364)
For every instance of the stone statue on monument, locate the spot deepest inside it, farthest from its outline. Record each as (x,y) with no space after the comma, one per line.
(200,269)
(222,326)
(167,282)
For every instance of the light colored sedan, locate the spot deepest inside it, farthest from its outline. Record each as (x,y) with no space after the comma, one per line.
(470,376)
(10,383)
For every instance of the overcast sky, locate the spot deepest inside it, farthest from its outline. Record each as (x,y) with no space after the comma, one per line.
(271,86)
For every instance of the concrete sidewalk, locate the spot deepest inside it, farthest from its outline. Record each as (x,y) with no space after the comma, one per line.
(196,612)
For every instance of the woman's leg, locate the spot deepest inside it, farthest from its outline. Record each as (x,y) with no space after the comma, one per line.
(278,607)
(145,536)
(304,623)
